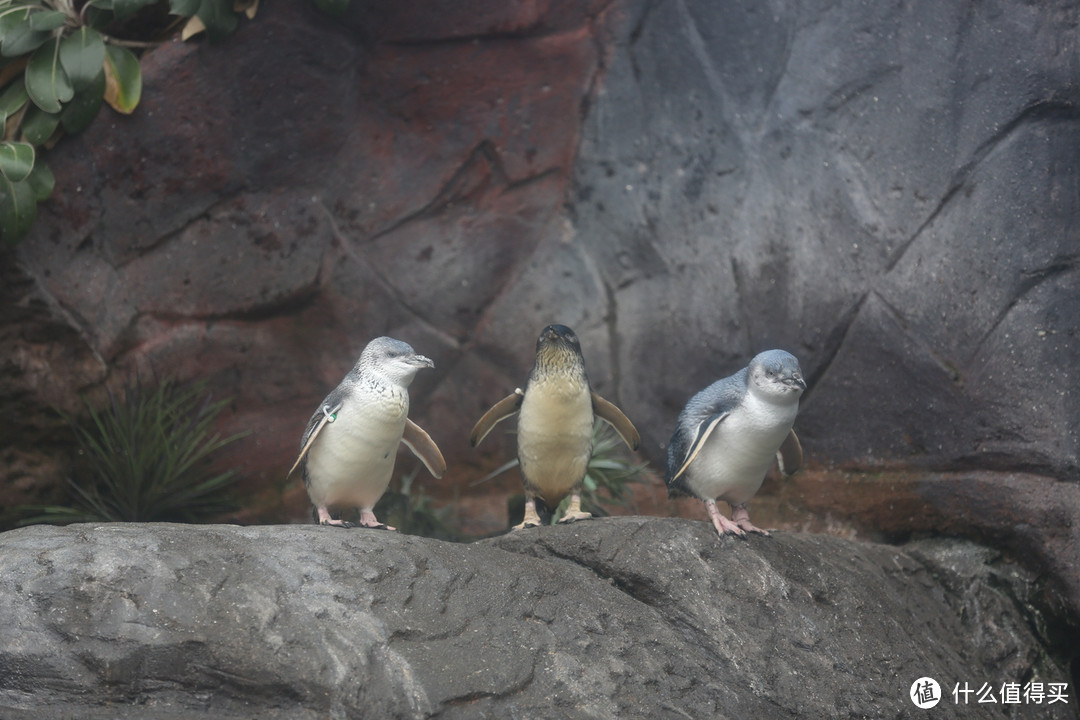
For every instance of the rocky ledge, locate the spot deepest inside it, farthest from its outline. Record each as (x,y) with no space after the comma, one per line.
(622,617)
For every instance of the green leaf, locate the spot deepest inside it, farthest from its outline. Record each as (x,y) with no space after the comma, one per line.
(84,107)
(600,464)
(41,181)
(83,55)
(38,125)
(12,100)
(97,18)
(126,8)
(218,17)
(123,79)
(46,81)
(11,16)
(19,37)
(187,8)
(17,209)
(16,160)
(54,515)
(333,7)
(47,20)
(122,8)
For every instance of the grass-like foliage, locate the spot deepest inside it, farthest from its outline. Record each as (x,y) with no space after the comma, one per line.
(144,458)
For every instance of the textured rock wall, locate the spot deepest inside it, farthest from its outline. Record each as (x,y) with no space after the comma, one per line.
(281,198)
(627,617)
(889,190)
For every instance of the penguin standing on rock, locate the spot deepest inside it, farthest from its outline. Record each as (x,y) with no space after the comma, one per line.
(350,444)
(555,424)
(728,434)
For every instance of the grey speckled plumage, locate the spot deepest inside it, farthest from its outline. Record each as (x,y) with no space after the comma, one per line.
(728,434)
(350,444)
(555,421)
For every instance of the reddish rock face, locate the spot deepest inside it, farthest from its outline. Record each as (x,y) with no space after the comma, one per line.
(684,184)
(281,198)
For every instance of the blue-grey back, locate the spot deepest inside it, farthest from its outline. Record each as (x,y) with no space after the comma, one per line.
(716,399)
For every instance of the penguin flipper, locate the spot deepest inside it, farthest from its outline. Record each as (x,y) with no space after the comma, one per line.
(423,447)
(704,430)
(614,417)
(789,455)
(325,414)
(499,411)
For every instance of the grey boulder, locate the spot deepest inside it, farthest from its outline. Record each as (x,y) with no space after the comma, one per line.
(627,617)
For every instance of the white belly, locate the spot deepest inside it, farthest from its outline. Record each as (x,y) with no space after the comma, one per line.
(555,437)
(737,455)
(352,460)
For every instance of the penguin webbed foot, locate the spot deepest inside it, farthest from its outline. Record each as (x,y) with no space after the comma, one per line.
(377,526)
(337,523)
(722,525)
(322,516)
(532,518)
(573,511)
(574,517)
(368,520)
(741,517)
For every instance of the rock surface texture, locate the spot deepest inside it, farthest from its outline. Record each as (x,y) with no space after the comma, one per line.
(887,190)
(618,618)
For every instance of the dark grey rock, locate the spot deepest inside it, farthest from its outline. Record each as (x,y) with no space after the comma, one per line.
(630,617)
(887,190)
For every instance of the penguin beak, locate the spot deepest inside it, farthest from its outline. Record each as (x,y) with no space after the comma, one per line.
(421,361)
(797,381)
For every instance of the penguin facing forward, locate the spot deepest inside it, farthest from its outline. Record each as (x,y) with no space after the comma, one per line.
(727,436)
(555,423)
(349,447)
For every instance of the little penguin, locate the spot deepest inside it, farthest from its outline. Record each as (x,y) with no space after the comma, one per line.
(349,447)
(555,425)
(728,434)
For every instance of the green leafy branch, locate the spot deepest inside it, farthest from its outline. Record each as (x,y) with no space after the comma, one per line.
(61,60)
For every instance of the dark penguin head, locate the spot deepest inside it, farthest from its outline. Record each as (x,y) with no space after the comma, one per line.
(776,375)
(392,360)
(558,350)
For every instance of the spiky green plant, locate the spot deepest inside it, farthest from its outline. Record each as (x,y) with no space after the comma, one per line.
(144,458)
(606,477)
